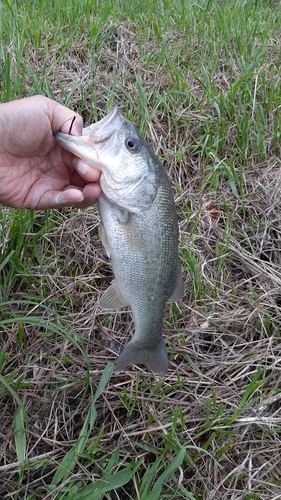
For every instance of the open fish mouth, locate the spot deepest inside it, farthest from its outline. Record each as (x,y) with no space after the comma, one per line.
(103,129)
(93,138)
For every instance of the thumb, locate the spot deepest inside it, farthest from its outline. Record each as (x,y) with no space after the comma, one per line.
(62,117)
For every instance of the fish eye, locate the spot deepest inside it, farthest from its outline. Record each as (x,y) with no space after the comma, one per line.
(133,143)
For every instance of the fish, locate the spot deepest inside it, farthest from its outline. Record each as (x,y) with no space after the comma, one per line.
(139,231)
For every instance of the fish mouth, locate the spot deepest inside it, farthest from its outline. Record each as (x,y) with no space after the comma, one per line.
(103,129)
(93,138)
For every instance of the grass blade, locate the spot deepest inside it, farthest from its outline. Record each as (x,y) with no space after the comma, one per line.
(69,461)
(156,491)
(20,435)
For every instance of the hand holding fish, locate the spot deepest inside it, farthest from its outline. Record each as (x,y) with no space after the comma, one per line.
(35,171)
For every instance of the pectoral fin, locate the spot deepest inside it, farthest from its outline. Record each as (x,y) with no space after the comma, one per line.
(178,292)
(111,299)
(103,238)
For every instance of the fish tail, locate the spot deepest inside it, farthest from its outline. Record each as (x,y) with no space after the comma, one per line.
(137,353)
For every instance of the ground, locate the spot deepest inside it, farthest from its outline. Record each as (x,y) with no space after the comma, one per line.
(203,86)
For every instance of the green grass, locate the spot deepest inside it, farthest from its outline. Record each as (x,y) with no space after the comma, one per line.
(201,80)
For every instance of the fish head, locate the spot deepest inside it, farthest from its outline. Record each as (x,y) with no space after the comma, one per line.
(113,145)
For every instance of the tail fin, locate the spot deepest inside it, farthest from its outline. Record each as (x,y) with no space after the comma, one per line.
(135,352)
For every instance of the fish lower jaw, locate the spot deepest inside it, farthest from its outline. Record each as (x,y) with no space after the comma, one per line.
(152,356)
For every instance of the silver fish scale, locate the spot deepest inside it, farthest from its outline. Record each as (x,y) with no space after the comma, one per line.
(144,258)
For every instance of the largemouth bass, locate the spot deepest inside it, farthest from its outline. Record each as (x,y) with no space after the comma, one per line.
(138,229)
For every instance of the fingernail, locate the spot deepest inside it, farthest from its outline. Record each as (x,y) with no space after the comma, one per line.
(82,167)
(63,198)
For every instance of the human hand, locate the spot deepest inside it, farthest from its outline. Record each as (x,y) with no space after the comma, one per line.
(35,171)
